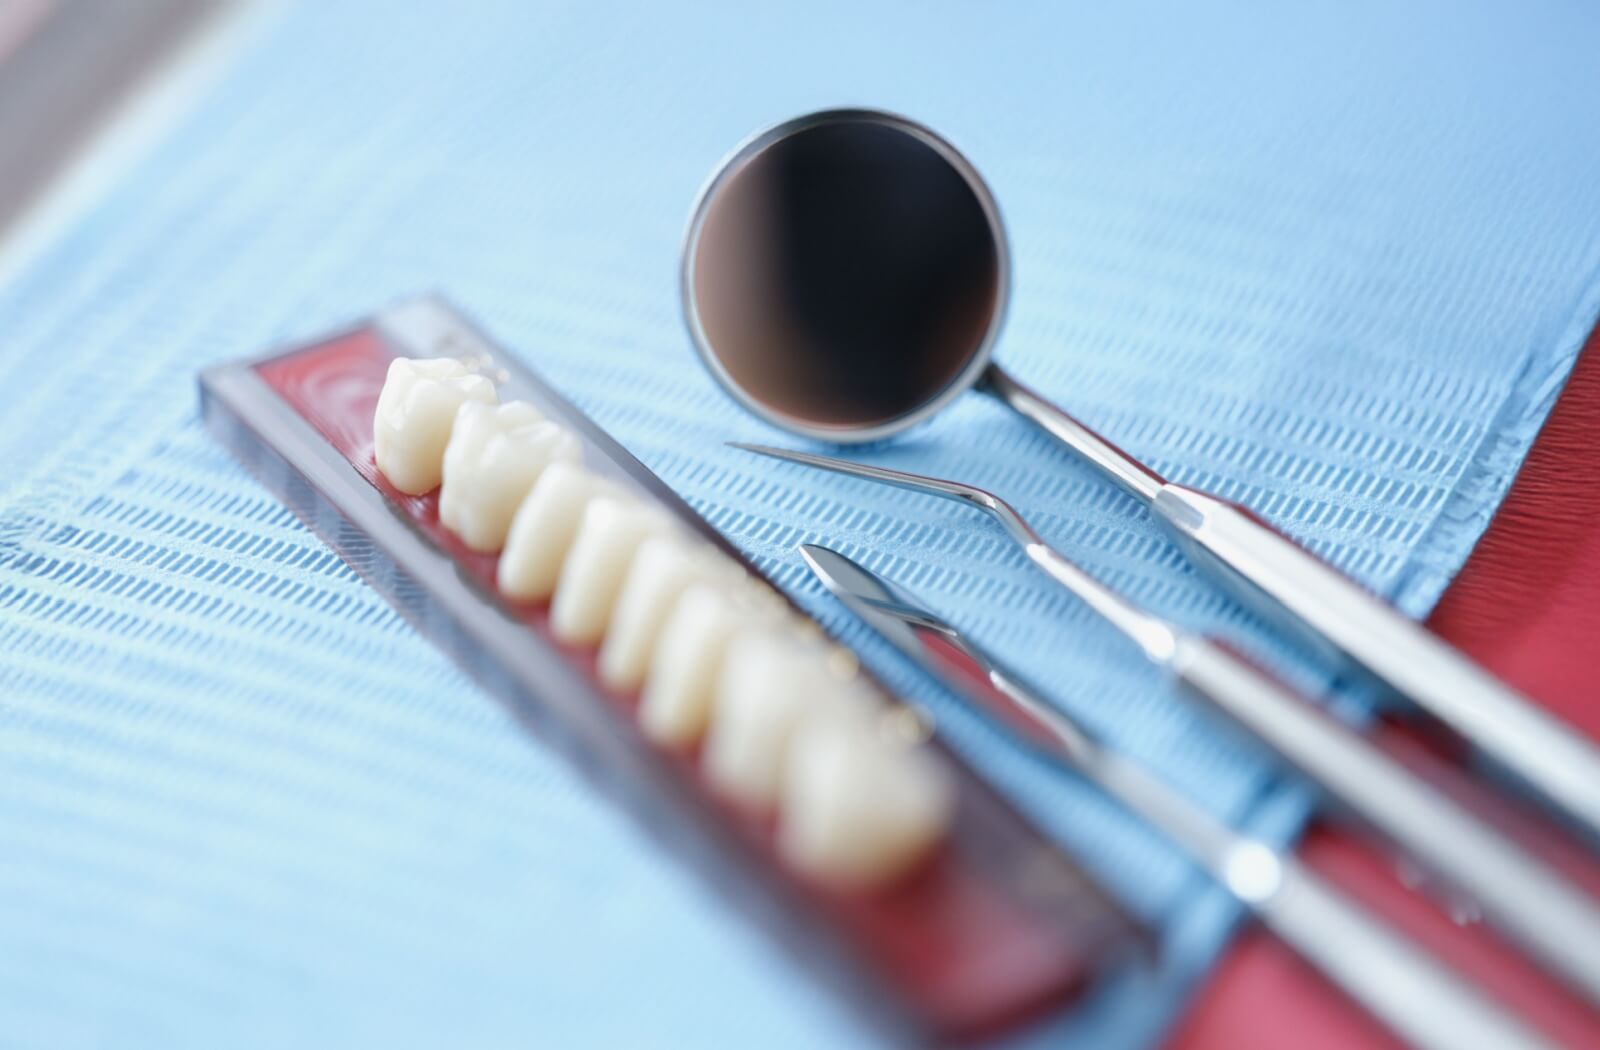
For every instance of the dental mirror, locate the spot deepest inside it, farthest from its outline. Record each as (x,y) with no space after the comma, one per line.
(845,275)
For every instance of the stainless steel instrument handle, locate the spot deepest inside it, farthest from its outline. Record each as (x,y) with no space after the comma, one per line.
(1294,587)
(1411,992)
(1263,564)
(1554,921)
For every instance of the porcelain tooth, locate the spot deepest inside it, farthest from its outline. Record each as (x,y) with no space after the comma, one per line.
(543,528)
(609,534)
(770,682)
(664,567)
(857,808)
(416,412)
(680,685)
(495,455)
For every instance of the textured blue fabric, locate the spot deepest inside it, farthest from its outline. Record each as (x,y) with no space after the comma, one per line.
(1333,260)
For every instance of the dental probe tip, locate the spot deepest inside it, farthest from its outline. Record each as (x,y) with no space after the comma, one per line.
(809,459)
(760,450)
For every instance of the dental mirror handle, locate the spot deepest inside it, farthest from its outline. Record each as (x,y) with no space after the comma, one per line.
(1134,477)
(1292,586)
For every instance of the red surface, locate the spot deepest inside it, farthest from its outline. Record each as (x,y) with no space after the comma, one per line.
(969,948)
(1526,605)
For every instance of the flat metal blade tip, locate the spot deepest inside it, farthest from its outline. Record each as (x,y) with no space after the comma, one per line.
(817,557)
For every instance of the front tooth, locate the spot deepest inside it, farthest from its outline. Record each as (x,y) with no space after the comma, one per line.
(769,683)
(662,569)
(542,530)
(679,686)
(416,410)
(612,528)
(858,809)
(495,455)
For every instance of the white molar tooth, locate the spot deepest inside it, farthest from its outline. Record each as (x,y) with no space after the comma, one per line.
(543,528)
(680,684)
(609,534)
(495,456)
(416,411)
(857,809)
(664,567)
(770,682)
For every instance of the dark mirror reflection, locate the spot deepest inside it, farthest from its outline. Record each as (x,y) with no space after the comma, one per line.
(845,274)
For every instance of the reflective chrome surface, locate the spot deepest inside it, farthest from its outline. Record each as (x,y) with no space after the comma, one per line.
(1554,921)
(1153,636)
(1407,989)
(1274,575)
(1255,562)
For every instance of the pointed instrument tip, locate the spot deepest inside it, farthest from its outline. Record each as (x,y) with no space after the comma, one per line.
(794,455)
(760,450)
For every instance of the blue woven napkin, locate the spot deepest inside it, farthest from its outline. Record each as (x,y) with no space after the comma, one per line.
(1333,260)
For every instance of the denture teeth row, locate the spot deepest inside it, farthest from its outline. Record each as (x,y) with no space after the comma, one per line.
(718,657)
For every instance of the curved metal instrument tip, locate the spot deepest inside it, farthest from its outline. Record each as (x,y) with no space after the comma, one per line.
(887,475)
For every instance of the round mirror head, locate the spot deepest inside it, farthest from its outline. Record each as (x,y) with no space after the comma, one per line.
(845,274)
